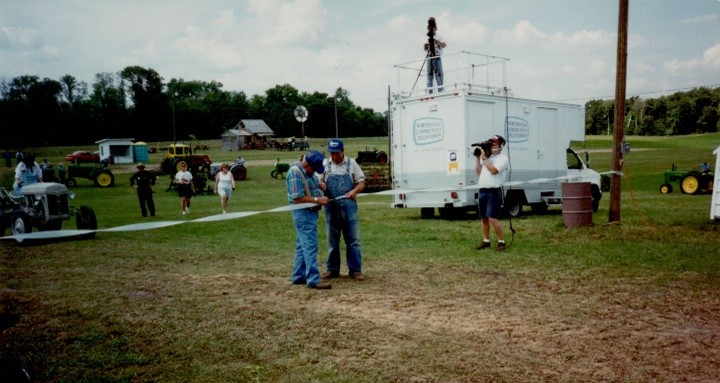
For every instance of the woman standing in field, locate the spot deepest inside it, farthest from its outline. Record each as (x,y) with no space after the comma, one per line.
(224,186)
(185,188)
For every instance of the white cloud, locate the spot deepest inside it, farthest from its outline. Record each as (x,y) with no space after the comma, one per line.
(17,36)
(710,60)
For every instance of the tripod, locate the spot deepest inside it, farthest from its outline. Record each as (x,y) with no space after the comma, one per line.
(420,71)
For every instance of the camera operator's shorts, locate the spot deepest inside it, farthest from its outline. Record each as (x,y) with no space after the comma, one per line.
(489,202)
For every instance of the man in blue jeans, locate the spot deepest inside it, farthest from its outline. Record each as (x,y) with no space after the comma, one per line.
(343,180)
(303,187)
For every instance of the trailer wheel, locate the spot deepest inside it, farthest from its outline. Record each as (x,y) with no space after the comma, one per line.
(104,178)
(70,182)
(20,223)
(513,206)
(666,188)
(449,213)
(427,212)
(690,184)
(539,208)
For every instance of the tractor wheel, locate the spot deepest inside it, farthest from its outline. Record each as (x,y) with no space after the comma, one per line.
(104,178)
(279,175)
(239,172)
(382,158)
(20,223)
(71,182)
(274,174)
(666,189)
(86,220)
(690,184)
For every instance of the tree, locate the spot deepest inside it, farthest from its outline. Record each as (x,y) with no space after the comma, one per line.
(150,113)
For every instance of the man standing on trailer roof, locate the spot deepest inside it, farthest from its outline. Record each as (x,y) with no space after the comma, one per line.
(434,48)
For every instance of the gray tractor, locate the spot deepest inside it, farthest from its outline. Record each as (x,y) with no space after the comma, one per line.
(45,206)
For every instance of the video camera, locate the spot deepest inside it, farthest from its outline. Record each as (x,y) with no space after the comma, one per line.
(431,36)
(486,146)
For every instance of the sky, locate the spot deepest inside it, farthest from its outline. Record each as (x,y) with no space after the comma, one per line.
(557,50)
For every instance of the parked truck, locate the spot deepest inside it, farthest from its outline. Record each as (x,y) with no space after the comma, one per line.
(432,159)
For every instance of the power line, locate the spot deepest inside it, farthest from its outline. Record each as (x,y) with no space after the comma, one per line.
(641,93)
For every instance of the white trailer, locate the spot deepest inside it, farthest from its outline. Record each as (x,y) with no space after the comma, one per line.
(432,158)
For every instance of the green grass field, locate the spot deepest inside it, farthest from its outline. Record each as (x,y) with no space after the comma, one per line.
(633,301)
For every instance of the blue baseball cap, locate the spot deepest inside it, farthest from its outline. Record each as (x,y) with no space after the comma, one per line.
(335,145)
(315,160)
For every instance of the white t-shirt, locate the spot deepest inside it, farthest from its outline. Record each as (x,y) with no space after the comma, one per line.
(183,177)
(224,180)
(488,180)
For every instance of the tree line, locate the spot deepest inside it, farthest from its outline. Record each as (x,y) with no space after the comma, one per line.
(694,111)
(137,103)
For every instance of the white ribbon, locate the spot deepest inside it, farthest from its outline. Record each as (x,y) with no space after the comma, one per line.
(224,217)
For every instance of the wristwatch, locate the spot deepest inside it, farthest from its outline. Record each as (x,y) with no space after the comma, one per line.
(315,199)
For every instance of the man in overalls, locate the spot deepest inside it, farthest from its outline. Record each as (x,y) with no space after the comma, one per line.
(343,180)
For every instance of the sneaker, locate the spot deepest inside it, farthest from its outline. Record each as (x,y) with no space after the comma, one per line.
(358,276)
(484,245)
(224,212)
(187,210)
(184,213)
(500,246)
(329,275)
(321,286)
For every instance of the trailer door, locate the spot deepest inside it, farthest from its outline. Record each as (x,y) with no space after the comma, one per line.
(548,160)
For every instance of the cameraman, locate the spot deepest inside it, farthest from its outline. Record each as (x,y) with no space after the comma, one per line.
(434,47)
(491,171)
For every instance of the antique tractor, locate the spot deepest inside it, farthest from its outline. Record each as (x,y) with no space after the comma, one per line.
(696,181)
(237,169)
(280,169)
(100,174)
(44,206)
(375,165)
(178,153)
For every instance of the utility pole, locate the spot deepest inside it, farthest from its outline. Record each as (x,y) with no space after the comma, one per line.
(619,131)
(336,121)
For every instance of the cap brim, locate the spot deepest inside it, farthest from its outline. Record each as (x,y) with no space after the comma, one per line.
(320,169)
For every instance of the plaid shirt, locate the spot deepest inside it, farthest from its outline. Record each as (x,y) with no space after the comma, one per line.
(295,185)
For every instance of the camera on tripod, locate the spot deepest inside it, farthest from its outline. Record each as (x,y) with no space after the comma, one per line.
(486,146)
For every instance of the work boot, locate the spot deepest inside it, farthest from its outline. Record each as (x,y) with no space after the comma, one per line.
(484,245)
(500,246)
